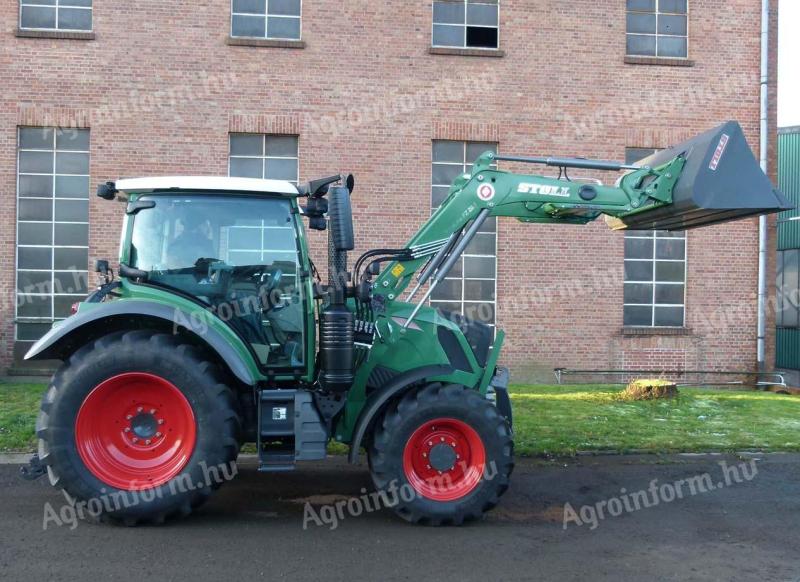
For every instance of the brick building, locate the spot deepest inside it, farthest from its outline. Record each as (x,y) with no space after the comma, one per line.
(402,94)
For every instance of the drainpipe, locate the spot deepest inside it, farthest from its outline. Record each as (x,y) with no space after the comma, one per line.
(762,220)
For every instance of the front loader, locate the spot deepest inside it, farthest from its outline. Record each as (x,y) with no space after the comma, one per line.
(217,332)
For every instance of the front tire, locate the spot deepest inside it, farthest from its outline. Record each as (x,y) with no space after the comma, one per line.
(442,455)
(138,426)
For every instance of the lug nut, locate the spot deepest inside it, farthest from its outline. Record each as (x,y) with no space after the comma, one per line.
(427,466)
(140,409)
(160,421)
(430,443)
(424,454)
(134,439)
(147,442)
(453,445)
(128,417)
(441,439)
(127,429)
(158,434)
(152,411)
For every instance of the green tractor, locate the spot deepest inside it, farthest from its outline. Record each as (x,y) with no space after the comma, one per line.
(217,332)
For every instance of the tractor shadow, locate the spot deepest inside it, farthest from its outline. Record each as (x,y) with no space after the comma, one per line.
(287,496)
(284,495)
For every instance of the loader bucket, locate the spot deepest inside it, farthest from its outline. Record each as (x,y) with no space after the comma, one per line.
(721,181)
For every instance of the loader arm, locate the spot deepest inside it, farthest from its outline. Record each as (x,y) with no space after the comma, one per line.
(709,179)
(489,192)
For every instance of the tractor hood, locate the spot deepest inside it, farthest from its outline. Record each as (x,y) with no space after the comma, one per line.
(721,181)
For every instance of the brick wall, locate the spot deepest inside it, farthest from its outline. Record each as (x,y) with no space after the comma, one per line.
(160,88)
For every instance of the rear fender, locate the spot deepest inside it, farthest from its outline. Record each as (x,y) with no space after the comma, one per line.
(75,331)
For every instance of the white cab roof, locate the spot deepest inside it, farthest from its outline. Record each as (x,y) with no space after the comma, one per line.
(195,183)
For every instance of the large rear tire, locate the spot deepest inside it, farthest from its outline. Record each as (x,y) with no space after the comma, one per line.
(138,427)
(442,455)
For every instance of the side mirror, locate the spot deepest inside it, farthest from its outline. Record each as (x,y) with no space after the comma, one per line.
(106,274)
(340,216)
(107,191)
(317,223)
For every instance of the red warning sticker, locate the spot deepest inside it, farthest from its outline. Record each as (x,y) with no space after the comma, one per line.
(723,142)
(486,192)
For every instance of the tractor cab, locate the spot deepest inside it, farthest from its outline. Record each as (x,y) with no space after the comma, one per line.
(231,244)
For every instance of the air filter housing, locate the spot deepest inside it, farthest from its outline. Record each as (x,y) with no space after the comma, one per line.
(721,181)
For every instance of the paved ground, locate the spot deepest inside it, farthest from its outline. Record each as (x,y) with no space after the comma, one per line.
(253,528)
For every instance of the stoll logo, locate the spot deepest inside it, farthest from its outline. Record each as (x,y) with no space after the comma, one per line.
(543,189)
(486,192)
(723,142)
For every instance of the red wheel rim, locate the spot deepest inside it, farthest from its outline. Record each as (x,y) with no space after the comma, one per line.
(444,459)
(135,431)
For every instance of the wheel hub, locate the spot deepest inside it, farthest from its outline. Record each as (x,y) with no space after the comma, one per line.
(144,425)
(442,457)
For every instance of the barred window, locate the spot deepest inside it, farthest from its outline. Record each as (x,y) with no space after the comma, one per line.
(470,287)
(655,272)
(256,155)
(52,226)
(657,28)
(466,24)
(68,15)
(273,19)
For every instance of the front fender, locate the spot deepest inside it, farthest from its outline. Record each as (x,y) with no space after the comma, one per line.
(378,400)
(75,331)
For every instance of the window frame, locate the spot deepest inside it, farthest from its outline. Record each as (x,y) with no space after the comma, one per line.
(465,26)
(653,260)
(53,222)
(56,7)
(265,157)
(656,13)
(266,24)
(465,166)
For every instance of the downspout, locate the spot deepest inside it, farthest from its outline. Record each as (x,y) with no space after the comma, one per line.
(762,220)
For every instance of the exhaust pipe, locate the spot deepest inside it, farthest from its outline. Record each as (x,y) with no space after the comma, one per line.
(336,321)
(761,324)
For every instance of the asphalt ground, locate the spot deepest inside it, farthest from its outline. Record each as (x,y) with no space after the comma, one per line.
(259,526)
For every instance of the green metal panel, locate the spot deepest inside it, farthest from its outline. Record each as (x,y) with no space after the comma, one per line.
(788,348)
(789,184)
(787,339)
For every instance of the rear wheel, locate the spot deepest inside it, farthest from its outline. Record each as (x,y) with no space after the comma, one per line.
(442,455)
(138,426)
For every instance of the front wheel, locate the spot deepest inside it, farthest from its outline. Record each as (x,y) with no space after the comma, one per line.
(138,426)
(441,455)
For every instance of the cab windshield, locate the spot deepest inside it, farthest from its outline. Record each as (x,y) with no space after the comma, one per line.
(237,254)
